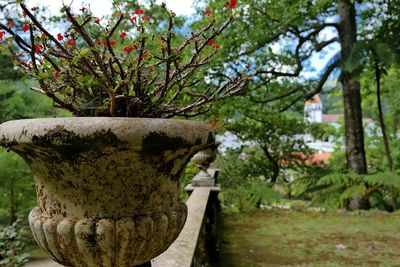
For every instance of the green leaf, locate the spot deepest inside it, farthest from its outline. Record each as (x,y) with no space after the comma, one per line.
(85,52)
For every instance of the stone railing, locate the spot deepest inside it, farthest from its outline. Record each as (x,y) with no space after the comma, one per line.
(199,242)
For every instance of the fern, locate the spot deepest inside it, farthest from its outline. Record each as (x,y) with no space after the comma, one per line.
(335,189)
(339,179)
(385,52)
(384,180)
(356,57)
(354,190)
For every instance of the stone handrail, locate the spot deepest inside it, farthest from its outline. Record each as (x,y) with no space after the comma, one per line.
(182,251)
(198,243)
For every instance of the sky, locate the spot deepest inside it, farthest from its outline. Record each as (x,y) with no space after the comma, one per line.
(103,7)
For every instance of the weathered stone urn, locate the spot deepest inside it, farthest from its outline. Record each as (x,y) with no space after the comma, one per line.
(107,188)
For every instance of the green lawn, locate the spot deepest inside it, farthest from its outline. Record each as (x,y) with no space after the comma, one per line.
(287,238)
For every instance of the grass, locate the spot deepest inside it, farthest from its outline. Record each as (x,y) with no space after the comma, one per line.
(288,238)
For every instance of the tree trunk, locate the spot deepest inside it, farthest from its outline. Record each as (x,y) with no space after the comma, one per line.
(355,152)
(275,166)
(354,132)
(381,119)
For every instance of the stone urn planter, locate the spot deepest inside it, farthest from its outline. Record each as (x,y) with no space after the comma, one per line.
(107,188)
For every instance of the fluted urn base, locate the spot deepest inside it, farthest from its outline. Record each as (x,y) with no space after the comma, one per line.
(107,188)
(105,242)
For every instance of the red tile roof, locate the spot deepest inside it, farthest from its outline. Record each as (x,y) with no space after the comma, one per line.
(331,117)
(320,158)
(316,99)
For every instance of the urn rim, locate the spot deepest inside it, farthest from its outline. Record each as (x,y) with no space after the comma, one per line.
(130,130)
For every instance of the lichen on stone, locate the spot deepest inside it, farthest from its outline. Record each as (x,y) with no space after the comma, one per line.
(7,143)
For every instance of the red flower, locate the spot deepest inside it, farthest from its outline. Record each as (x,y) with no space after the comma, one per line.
(138,12)
(122,35)
(128,48)
(232,4)
(187,42)
(133,19)
(97,20)
(11,23)
(112,43)
(2,33)
(57,75)
(71,42)
(39,48)
(207,12)
(211,42)
(25,27)
(60,37)
(216,46)
(146,18)
(145,55)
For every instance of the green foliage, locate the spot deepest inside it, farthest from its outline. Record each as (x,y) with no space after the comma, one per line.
(7,72)
(243,187)
(190,171)
(248,196)
(12,246)
(17,101)
(385,182)
(334,190)
(391,111)
(17,191)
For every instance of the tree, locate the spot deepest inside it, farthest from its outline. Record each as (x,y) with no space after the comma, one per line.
(273,140)
(16,185)
(279,38)
(276,136)
(390,114)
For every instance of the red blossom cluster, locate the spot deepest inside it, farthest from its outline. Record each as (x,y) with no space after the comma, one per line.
(60,37)
(25,27)
(39,48)
(128,48)
(70,43)
(11,23)
(112,43)
(232,4)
